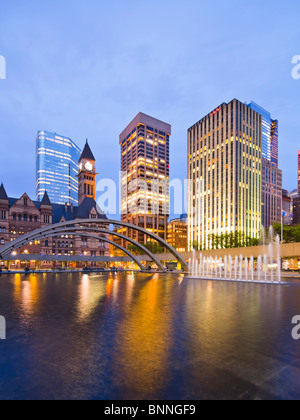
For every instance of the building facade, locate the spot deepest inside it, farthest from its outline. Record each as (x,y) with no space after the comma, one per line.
(23,215)
(287,208)
(145,176)
(178,234)
(296,211)
(57,168)
(298,174)
(271,174)
(271,194)
(224,172)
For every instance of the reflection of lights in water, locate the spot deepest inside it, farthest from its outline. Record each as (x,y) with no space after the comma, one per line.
(181,278)
(90,294)
(109,286)
(129,289)
(145,337)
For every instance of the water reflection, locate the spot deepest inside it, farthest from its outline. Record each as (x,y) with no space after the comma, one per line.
(144,341)
(90,295)
(130,336)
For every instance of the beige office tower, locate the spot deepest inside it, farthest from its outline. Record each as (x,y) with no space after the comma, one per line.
(224,173)
(145,176)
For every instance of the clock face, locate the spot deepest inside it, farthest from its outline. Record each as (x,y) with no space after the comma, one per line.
(88,166)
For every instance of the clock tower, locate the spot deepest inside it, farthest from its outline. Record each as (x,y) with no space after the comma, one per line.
(87,175)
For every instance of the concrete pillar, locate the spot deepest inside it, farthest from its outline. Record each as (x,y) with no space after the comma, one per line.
(8,265)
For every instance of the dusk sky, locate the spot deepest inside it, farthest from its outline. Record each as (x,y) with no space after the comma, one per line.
(84,69)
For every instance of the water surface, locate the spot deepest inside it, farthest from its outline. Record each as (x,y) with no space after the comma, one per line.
(146,336)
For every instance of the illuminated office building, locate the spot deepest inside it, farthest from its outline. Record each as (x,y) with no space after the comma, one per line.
(224,169)
(57,168)
(177,234)
(145,175)
(271,174)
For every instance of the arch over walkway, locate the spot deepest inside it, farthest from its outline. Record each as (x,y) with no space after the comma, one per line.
(74,230)
(48,235)
(36,235)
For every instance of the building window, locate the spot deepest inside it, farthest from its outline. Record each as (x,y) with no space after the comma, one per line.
(25,202)
(46,243)
(35,219)
(46,218)
(25,217)
(2,242)
(30,218)
(20,218)
(3,215)
(14,217)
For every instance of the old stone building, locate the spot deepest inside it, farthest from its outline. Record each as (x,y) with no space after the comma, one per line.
(23,215)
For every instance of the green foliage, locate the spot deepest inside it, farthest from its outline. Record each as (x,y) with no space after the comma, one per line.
(155,248)
(226,241)
(291,234)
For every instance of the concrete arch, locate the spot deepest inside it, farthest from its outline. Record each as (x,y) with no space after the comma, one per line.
(34,235)
(59,234)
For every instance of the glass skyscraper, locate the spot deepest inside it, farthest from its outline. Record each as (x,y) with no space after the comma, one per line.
(57,168)
(266,129)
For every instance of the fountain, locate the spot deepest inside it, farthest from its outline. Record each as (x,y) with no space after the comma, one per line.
(267,269)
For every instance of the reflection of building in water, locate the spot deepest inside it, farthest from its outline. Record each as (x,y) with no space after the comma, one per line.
(90,296)
(145,339)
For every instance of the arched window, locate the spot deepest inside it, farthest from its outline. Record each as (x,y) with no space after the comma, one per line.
(25,217)
(30,218)
(46,243)
(2,241)
(67,244)
(20,218)
(14,217)
(3,230)
(35,219)
(58,244)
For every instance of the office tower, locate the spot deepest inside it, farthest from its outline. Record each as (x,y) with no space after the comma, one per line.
(224,169)
(274,143)
(271,175)
(56,168)
(145,175)
(177,234)
(287,207)
(271,194)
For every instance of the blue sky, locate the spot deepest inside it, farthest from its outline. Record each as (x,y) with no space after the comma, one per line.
(86,68)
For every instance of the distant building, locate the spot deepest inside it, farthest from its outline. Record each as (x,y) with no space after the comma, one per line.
(177,234)
(296,210)
(145,149)
(287,208)
(299,173)
(271,194)
(57,168)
